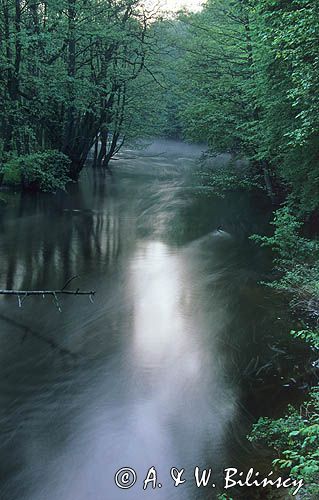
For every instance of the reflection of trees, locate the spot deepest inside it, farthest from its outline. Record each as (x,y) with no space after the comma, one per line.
(44,353)
(46,242)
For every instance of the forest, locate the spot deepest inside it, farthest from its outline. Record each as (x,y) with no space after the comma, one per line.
(80,80)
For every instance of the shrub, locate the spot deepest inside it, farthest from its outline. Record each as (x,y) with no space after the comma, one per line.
(295,438)
(221,176)
(43,171)
(296,261)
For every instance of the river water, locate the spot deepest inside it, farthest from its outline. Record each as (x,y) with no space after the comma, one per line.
(172,362)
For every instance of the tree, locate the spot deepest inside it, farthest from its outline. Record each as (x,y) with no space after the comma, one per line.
(67,67)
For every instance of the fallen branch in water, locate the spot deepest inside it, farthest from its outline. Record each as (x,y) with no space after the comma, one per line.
(23,294)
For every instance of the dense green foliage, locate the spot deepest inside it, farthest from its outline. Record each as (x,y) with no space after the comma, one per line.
(215,98)
(241,75)
(249,80)
(295,438)
(44,171)
(216,178)
(75,72)
(289,31)
(296,260)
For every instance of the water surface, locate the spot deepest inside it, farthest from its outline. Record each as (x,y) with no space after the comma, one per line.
(161,369)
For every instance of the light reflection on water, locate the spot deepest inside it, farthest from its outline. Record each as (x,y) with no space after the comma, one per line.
(175,402)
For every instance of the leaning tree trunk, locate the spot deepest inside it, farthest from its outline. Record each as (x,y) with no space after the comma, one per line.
(111,151)
(96,150)
(85,132)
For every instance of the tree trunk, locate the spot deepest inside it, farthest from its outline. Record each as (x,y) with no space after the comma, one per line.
(111,150)
(103,147)
(96,150)
(268,182)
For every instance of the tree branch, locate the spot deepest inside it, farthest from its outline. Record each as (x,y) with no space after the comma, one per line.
(23,294)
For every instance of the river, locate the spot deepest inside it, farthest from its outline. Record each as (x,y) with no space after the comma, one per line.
(173,361)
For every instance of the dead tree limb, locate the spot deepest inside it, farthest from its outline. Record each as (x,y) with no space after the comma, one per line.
(23,294)
(46,292)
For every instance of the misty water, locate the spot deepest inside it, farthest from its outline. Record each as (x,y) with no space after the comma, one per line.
(174,360)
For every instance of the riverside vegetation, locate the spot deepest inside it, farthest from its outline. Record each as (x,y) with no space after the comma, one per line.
(240,75)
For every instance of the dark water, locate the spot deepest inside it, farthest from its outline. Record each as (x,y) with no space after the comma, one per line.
(172,362)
